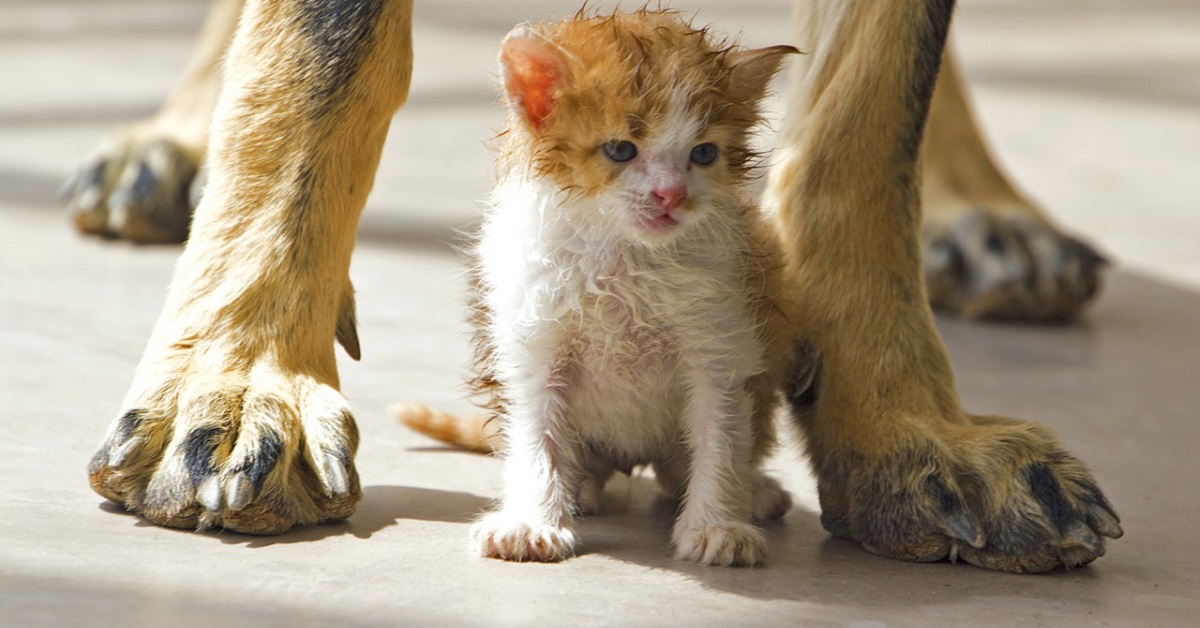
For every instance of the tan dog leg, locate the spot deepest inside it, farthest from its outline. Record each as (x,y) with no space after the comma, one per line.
(901,467)
(989,251)
(234,418)
(142,182)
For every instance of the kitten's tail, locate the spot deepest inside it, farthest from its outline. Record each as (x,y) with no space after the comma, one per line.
(477,433)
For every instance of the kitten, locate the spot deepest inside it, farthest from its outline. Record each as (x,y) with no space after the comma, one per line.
(629,304)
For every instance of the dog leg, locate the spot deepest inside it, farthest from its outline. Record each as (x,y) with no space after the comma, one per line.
(989,251)
(901,468)
(142,182)
(234,418)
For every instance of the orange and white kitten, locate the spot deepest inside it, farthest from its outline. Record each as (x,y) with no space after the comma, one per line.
(628,294)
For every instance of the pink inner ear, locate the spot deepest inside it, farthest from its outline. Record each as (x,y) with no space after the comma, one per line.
(531,71)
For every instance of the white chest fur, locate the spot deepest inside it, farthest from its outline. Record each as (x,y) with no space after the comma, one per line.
(617,332)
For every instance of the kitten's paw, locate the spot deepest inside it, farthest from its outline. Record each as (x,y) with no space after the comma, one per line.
(986,265)
(591,492)
(728,544)
(507,537)
(770,500)
(139,186)
(255,456)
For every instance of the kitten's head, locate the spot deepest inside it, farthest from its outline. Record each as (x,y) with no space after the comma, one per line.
(644,120)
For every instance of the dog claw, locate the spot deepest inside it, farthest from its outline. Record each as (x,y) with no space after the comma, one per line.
(965,527)
(240,492)
(335,476)
(208,493)
(1102,520)
(1079,535)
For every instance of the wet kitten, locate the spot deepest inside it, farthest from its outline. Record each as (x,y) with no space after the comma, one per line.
(628,294)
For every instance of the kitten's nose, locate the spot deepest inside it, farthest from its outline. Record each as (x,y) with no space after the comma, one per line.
(670,197)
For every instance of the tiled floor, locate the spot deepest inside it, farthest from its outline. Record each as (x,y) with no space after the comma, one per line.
(1095,105)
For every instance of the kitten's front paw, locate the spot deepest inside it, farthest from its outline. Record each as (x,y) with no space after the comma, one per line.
(507,537)
(724,545)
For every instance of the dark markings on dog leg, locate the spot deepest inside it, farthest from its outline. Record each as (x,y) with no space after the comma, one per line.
(264,458)
(994,243)
(198,450)
(250,474)
(144,184)
(803,382)
(1046,490)
(129,423)
(959,522)
(926,65)
(340,31)
(123,442)
(96,174)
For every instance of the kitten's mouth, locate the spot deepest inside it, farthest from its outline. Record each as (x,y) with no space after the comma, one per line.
(657,222)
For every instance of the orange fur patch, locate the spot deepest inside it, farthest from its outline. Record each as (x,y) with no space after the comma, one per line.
(585,81)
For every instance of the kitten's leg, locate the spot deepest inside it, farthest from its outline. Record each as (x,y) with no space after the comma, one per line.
(989,250)
(589,488)
(901,467)
(234,418)
(533,521)
(714,526)
(769,501)
(671,474)
(142,182)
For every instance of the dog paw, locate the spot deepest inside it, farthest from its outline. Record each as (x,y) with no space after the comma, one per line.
(508,537)
(999,494)
(984,265)
(255,455)
(139,186)
(729,544)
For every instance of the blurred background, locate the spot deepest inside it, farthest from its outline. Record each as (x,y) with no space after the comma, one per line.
(1093,106)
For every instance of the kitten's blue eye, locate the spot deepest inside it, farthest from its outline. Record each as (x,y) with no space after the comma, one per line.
(620,150)
(704,154)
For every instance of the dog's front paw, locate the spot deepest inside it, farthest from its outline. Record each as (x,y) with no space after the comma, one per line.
(256,454)
(988,265)
(726,544)
(140,186)
(998,494)
(510,537)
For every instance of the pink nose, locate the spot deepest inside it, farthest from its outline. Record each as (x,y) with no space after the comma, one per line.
(670,197)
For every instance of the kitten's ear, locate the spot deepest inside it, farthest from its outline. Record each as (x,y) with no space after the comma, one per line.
(532,69)
(753,71)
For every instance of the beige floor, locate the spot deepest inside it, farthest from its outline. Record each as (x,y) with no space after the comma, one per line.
(1094,104)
